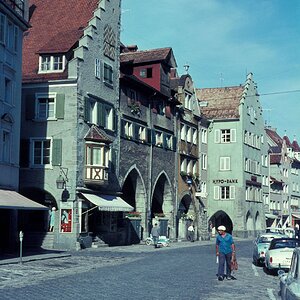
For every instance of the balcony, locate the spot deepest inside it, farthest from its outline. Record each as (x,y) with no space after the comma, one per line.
(17,5)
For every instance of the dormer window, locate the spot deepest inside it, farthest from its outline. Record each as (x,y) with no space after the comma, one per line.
(146,73)
(52,63)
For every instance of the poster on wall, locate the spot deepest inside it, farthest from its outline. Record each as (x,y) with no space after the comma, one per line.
(66,220)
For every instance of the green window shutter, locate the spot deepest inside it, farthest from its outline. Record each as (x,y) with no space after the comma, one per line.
(60,106)
(153,137)
(24,153)
(148,137)
(174,143)
(122,128)
(87,109)
(30,106)
(101,114)
(57,152)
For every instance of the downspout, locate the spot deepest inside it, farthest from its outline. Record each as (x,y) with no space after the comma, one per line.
(149,212)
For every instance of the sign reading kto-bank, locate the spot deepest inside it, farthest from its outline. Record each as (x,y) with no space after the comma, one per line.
(222,181)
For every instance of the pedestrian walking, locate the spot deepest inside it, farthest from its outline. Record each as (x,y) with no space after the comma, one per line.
(52,219)
(155,232)
(225,251)
(191,231)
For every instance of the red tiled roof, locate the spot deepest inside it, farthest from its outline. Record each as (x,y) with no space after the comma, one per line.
(56,26)
(146,55)
(222,103)
(98,135)
(296,146)
(274,136)
(287,141)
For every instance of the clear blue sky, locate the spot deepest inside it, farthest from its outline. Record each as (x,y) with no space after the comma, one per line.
(222,40)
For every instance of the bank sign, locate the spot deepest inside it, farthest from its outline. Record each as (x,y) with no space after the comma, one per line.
(224,181)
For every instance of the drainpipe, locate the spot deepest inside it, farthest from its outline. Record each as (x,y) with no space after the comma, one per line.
(148,212)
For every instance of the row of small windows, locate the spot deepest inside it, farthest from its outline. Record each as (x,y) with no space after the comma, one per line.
(253,194)
(189,166)
(190,134)
(252,166)
(142,134)
(9,34)
(253,140)
(224,192)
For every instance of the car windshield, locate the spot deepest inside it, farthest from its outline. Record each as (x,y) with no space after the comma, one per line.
(265,239)
(284,244)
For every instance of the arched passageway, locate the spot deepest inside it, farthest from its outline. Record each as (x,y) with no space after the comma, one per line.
(220,218)
(184,216)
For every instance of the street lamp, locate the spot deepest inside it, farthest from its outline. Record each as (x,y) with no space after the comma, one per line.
(62,179)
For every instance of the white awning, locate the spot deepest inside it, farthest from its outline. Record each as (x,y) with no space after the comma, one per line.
(297,216)
(108,202)
(270,216)
(14,200)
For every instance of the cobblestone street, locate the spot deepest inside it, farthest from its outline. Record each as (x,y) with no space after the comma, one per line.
(181,271)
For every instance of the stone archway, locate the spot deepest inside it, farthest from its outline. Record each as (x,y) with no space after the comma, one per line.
(249,223)
(220,218)
(162,206)
(184,212)
(134,194)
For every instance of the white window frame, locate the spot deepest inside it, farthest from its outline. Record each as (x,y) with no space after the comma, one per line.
(225,136)
(97,68)
(183,132)
(8,90)
(49,106)
(32,148)
(230,192)
(225,163)
(109,117)
(108,74)
(204,161)
(204,136)
(48,65)
(128,129)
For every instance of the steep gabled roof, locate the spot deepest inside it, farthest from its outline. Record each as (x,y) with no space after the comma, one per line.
(149,56)
(295,146)
(274,136)
(287,141)
(97,135)
(222,103)
(56,26)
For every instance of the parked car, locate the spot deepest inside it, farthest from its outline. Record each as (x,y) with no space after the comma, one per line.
(280,253)
(275,230)
(261,245)
(290,232)
(290,282)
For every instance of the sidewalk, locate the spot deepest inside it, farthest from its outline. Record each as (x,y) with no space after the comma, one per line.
(32,256)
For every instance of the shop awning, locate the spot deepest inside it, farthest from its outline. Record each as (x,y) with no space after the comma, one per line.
(271,216)
(108,202)
(14,200)
(297,216)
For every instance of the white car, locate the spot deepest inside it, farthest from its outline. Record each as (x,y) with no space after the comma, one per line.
(290,282)
(261,245)
(279,254)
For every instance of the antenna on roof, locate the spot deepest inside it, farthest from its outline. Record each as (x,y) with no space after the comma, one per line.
(186,68)
(221,79)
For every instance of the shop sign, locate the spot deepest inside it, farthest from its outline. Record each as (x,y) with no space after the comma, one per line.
(224,181)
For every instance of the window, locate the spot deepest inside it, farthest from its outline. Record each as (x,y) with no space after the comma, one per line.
(195,133)
(225,136)
(204,136)
(41,152)
(108,74)
(128,129)
(8,92)
(224,163)
(204,161)
(224,192)
(52,63)
(183,132)
(6,146)
(97,68)
(45,107)
(158,138)
(169,141)
(142,133)
(10,36)
(109,117)
(146,73)
(2,28)
(188,101)
(189,134)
